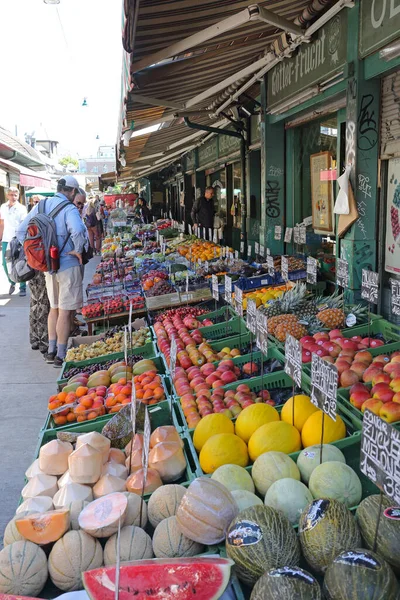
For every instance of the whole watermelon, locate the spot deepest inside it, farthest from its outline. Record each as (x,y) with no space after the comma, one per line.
(360,575)
(326,528)
(261,538)
(388,539)
(285,583)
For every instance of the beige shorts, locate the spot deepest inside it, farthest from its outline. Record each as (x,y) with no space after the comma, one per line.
(64,288)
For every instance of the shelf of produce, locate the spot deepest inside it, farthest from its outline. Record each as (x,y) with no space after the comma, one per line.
(112,318)
(344,400)
(389,331)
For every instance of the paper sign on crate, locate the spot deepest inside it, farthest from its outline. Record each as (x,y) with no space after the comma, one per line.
(293,362)
(296,231)
(370,286)
(251,316)
(302,234)
(285,268)
(262,332)
(288,235)
(215,290)
(342,272)
(172,358)
(395,297)
(238,301)
(278,232)
(262,250)
(324,380)
(312,270)
(270,266)
(256,248)
(380,455)
(228,289)
(249,251)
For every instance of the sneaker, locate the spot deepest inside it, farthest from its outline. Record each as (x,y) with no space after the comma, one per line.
(12,289)
(49,357)
(22,292)
(58,362)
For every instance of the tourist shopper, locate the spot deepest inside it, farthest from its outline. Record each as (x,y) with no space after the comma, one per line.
(12,213)
(145,212)
(92,227)
(203,210)
(80,201)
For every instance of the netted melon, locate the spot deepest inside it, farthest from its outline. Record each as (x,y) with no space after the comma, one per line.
(164,502)
(135,544)
(270,467)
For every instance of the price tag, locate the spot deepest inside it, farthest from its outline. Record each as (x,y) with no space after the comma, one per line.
(161,240)
(312,269)
(215,236)
(278,233)
(206,266)
(296,237)
(236,254)
(158,235)
(210,234)
(256,248)
(288,235)
(262,332)
(285,268)
(395,296)
(268,251)
(324,380)
(146,444)
(242,247)
(125,346)
(293,362)
(262,250)
(270,266)
(342,272)
(190,229)
(172,359)
(302,234)
(215,290)
(251,316)
(249,250)
(380,455)
(238,301)
(369,286)
(187,282)
(228,289)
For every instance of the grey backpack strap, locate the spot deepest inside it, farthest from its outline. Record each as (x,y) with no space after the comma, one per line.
(59,208)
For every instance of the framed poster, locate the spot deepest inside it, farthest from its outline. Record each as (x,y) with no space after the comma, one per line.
(321,193)
(392,246)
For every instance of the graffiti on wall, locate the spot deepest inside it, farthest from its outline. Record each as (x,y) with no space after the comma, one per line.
(272,192)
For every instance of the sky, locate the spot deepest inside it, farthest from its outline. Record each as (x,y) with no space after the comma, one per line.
(52,61)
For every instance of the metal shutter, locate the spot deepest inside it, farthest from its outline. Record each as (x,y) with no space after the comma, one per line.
(390,116)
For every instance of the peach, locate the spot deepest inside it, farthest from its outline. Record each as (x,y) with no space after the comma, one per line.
(381,378)
(390,412)
(396,397)
(383,392)
(212,377)
(395,384)
(347,353)
(348,378)
(217,384)
(395,358)
(364,356)
(392,367)
(373,404)
(242,387)
(371,373)
(382,358)
(358,398)
(359,368)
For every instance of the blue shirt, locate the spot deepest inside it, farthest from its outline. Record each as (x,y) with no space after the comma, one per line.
(67,221)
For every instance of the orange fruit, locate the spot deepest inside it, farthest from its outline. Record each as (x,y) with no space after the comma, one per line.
(81,418)
(71,417)
(92,415)
(81,391)
(86,401)
(60,420)
(61,396)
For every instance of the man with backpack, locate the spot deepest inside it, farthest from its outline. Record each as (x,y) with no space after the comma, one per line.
(54,238)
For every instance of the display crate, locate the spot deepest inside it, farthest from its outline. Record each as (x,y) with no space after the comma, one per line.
(224,329)
(218,315)
(389,331)
(344,400)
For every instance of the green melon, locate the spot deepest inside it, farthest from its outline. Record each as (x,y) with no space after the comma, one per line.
(310,458)
(388,539)
(234,477)
(326,528)
(169,542)
(270,467)
(360,574)
(261,538)
(245,499)
(290,496)
(286,583)
(337,481)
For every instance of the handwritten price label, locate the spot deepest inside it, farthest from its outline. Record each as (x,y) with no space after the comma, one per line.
(324,380)
(228,289)
(293,362)
(288,235)
(342,272)
(370,286)
(312,269)
(278,232)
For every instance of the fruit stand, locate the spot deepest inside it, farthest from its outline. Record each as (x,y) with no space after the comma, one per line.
(189,450)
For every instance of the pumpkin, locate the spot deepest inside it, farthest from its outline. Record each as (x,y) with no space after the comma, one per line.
(223,449)
(164,502)
(234,477)
(53,457)
(135,544)
(85,464)
(261,538)
(132,516)
(253,417)
(338,481)
(289,496)
(100,518)
(211,425)
(168,460)
(388,538)
(135,485)
(75,509)
(286,583)
(108,484)
(270,467)
(312,429)
(11,533)
(303,408)
(310,458)
(37,504)
(75,553)
(205,511)
(23,569)
(169,542)
(326,528)
(359,573)
(40,485)
(44,528)
(71,492)
(278,436)
(96,440)
(245,499)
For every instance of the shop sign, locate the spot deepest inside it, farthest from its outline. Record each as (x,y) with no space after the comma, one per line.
(208,153)
(228,145)
(312,63)
(392,247)
(379,24)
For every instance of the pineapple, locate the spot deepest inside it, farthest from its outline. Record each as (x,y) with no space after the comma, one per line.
(273,322)
(290,327)
(290,301)
(332,317)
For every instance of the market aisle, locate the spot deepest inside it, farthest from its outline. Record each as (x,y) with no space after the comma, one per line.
(26,382)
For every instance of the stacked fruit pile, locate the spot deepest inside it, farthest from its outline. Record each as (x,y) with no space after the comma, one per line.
(108,346)
(333,346)
(200,250)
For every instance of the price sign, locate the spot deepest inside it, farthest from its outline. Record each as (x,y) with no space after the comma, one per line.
(215,290)
(146,444)
(242,247)
(172,359)
(302,234)
(190,229)
(249,251)
(228,289)
(278,232)
(270,266)
(380,455)
(206,266)
(251,316)
(236,254)
(158,235)
(296,234)
(285,268)
(324,380)
(369,286)
(125,346)
(312,269)
(262,332)
(187,282)
(395,297)
(268,251)
(342,272)
(161,240)
(210,233)
(293,362)
(215,236)
(256,248)
(262,250)
(288,235)
(203,229)
(238,301)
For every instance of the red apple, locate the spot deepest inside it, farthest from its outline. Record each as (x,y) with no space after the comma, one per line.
(348,378)
(265,395)
(358,398)
(396,398)
(329,359)
(376,343)
(306,356)
(342,366)
(383,392)
(321,336)
(390,412)
(333,349)
(395,384)
(307,338)
(242,387)
(211,378)
(217,384)
(335,333)
(322,352)
(228,377)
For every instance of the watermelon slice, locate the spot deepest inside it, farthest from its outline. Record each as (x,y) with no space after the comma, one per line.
(161,579)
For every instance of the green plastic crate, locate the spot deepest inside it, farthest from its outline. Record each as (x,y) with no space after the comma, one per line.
(390,331)
(224,329)
(218,315)
(344,399)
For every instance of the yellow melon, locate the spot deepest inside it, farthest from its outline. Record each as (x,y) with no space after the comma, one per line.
(278,436)
(253,417)
(223,449)
(312,430)
(209,426)
(303,408)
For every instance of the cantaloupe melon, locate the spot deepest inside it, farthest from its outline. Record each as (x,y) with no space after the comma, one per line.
(310,458)
(169,460)
(44,528)
(117,455)
(135,484)
(23,569)
(75,509)
(290,497)
(100,518)
(71,492)
(75,553)
(270,467)
(164,502)
(96,440)
(233,478)
(33,470)
(115,469)
(276,436)
(245,499)
(108,484)
(165,433)
(169,542)
(11,533)
(132,516)
(211,425)
(40,485)
(37,504)
(53,457)
(337,481)
(135,544)
(85,464)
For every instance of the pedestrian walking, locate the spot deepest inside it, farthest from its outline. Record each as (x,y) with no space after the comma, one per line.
(92,228)
(203,210)
(12,213)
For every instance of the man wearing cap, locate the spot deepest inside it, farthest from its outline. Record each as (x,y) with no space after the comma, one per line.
(12,213)
(64,288)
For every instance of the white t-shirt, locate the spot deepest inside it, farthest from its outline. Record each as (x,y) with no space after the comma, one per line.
(12,217)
